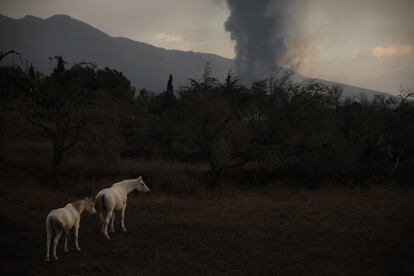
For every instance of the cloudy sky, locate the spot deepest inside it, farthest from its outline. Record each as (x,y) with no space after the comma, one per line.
(367,43)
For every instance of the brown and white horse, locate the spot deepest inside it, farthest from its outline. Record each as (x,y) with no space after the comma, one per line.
(62,220)
(113,199)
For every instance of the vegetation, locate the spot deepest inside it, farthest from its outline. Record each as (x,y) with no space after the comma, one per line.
(283,129)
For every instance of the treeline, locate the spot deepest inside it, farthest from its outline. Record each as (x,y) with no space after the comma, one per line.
(277,127)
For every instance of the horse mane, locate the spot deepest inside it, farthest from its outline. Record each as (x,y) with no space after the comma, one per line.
(77,205)
(125,182)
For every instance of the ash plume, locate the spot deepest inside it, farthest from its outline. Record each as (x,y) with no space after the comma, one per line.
(259,29)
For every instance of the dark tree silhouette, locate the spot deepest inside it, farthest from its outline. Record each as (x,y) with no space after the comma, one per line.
(60,67)
(58,108)
(32,72)
(11,52)
(170,86)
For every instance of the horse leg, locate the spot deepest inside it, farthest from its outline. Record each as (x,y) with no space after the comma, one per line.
(112,222)
(102,221)
(48,238)
(55,243)
(66,244)
(123,218)
(106,223)
(76,237)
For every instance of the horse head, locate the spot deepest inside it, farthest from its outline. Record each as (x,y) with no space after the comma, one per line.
(90,206)
(141,186)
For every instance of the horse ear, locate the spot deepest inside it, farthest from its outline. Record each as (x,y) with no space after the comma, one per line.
(140,178)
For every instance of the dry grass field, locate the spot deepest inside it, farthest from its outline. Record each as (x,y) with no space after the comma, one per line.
(271,230)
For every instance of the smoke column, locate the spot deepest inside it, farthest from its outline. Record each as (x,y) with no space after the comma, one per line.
(259,28)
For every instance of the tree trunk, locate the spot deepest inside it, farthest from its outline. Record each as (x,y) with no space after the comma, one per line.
(57,159)
(216,173)
(394,167)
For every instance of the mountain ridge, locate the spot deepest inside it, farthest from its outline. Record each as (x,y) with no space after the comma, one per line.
(146,65)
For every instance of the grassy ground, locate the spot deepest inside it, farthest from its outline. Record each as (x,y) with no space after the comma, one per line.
(271,230)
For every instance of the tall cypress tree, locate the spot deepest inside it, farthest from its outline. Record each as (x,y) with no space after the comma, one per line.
(32,72)
(60,66)
(169,97)
(170,86)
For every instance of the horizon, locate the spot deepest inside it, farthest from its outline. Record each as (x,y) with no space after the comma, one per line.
(371,53)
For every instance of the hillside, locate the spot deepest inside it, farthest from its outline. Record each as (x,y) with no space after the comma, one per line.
(145,65)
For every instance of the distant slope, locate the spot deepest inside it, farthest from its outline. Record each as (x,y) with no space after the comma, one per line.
(145,65)
(353,91)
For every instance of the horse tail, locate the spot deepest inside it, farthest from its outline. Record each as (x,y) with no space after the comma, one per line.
(103,202)
(100,206)
(49,227)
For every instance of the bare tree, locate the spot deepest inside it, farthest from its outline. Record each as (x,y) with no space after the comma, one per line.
(63,128)
(61,107)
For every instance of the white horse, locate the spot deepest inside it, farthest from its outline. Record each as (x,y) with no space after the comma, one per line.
(113,199)
(62,220)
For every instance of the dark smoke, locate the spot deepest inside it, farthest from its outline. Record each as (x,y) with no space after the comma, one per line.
(259,28)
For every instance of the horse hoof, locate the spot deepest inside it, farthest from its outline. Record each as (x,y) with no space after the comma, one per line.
(47,259)
(66,251)
(55,258)
(78,249)
(124,230)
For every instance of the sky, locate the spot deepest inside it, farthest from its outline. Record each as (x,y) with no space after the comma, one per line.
(367,43)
